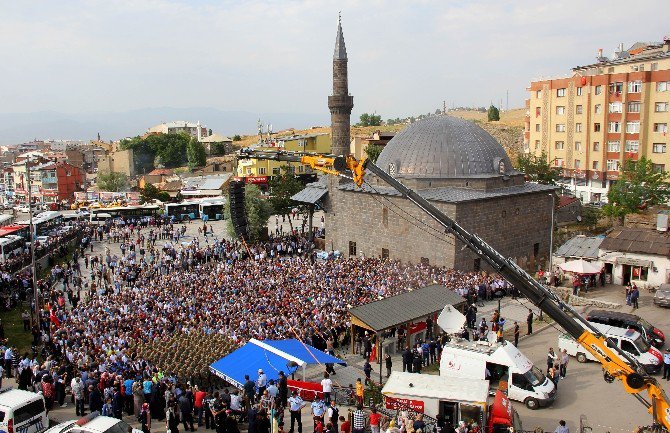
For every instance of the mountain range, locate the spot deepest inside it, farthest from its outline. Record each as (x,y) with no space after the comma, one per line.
(23,127)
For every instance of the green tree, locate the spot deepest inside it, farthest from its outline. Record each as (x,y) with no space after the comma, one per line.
(373,151)
(237,137)
(537,168)
(639,186)
(283,187)
(112,182)
(163,196)
(179,197)
(493,114)
(370,120)
(164,149)
(258,211)
(218,148)
(196,153)
(148,193)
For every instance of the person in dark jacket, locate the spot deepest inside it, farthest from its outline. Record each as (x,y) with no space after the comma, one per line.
(94,399)
(117,404)
(186,408)
(283,389)
(407,360)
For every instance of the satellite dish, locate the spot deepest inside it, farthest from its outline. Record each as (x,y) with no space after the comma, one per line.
(579,218)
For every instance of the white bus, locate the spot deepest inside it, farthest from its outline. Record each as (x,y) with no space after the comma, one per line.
(44,222)
(183,211)
(212,210)
(149,210)
(11,244)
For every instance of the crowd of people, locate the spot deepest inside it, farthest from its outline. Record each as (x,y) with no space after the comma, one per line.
(199,285)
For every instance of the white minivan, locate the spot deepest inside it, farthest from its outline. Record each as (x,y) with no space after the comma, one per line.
(503,365)
(628,340)
(22,411)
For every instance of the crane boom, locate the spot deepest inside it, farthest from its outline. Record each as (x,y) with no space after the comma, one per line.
(616,363)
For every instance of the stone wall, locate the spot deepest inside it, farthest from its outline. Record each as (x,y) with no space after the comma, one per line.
(383,224)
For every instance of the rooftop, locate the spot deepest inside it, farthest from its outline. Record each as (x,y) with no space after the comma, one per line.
(454,195)
(406,307)
(581,247)
(637,240)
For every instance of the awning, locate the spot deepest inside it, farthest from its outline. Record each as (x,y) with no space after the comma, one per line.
(633,262)
(271,356)
(310,194)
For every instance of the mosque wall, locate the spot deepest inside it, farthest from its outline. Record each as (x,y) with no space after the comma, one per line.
(517,226)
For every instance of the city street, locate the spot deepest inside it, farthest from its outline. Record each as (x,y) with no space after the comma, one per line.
(607,406)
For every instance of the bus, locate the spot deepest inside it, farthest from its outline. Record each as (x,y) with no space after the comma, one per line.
(184,210)
(44,223)
(6,220)
(11,244)
(212,210)
(149,210)
(15,230)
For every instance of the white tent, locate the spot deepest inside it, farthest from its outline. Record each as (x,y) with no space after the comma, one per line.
(582,267)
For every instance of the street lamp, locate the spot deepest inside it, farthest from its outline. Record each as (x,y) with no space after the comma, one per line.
(33,268)
(551,235)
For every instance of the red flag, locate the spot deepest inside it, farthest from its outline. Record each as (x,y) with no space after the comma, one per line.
(54,318)
(373,355)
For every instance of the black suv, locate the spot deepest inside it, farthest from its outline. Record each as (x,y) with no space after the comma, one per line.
(653,335)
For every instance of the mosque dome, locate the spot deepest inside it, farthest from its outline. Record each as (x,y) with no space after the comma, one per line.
(444,147)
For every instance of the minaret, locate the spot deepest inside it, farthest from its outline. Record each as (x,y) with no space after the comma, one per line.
(340,103)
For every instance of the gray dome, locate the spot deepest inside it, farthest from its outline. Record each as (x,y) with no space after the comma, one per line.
(442,147)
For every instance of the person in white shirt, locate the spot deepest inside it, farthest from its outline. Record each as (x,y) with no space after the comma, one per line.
(327,388)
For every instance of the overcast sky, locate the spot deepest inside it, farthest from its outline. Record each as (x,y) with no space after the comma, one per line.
(275,56)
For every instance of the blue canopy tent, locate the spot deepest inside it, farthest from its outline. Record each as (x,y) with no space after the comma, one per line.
(271,356)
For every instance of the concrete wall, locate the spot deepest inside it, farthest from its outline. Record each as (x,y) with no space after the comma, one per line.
(121,161)
(512,225)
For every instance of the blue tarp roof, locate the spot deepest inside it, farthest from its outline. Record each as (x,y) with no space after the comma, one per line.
(271,356)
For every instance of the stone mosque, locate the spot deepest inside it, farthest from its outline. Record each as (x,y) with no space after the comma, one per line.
(453,163)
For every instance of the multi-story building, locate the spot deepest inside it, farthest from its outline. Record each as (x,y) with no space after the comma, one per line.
(261,171)
(50,182)
(589,123)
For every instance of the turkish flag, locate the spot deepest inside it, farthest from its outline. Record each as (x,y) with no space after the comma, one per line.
(54,318)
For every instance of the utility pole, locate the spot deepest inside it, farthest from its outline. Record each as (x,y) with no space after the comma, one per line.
(33,267)
(507,101)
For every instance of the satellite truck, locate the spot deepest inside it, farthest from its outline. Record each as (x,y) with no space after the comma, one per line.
(617,365)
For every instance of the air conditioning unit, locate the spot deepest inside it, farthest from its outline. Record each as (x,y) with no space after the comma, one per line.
(662,222)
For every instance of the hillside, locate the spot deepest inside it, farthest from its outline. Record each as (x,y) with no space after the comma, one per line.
(508,131)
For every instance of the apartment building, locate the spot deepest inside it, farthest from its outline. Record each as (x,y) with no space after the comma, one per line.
(589,123)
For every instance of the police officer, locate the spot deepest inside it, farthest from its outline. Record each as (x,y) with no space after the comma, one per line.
(666,364)
(295,406)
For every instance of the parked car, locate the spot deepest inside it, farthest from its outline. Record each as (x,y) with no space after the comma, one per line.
(652,334)
(94,423)
(662,296)
(22,411)
(24,208)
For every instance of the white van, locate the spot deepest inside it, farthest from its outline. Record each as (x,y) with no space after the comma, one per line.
(628,340)
(503,365)
(455,399)
(22,412)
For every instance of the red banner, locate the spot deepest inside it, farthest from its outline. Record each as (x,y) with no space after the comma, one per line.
(416,327)
(402,403)
(257,179)
(307,390)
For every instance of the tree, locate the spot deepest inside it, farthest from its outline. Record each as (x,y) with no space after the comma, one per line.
(258,212)
(640,185)
(196,153)
(373,151)
(112,182)
(168,150)
(148,193)
(537,168)
(163,196)
(370,120)
(237,137)
(283,187)
(179,197)
(493,114)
